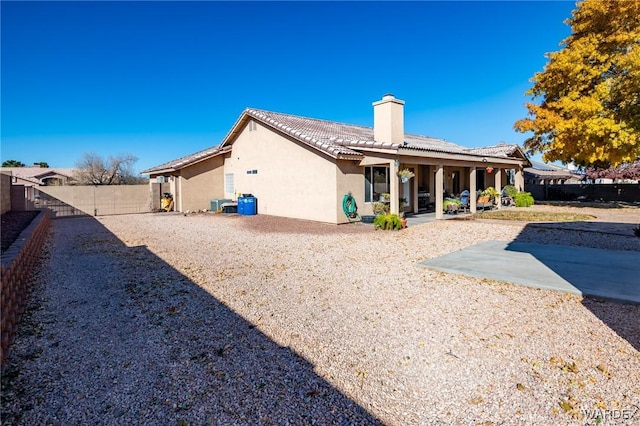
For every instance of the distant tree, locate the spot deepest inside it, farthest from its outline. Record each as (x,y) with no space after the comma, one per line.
(42,164)
(589,112)
(13,163)
(624,171)
(92,169)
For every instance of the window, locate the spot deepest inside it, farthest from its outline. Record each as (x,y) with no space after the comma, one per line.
(229,186)
(376,182)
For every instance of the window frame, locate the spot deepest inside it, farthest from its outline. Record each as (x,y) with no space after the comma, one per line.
(371,185)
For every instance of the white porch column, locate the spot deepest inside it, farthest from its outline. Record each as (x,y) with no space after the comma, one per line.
(472,190)
(499,187)
(439,190)
(394,190)
(519,179)
(414,193)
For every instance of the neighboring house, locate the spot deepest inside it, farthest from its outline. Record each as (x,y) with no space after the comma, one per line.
(302,168)
(542,173)
(39,176)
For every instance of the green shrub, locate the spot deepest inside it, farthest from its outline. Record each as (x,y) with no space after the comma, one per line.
(523,199)
(510,190)
(387,221)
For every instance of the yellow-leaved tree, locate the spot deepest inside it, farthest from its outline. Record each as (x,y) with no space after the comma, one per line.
(589,92)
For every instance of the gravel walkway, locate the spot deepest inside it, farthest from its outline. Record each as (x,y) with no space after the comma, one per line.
(165,319)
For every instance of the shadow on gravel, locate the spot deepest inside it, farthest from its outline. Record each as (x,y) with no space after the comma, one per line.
(607,278)
(155,347)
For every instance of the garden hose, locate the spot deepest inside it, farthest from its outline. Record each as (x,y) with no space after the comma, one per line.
(349,206)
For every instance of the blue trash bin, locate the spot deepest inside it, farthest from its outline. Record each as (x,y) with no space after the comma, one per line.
(240,205)
(249,205)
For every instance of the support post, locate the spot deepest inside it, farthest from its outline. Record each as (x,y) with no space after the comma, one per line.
(499,187)
(394,190)
(473,206)
(439,191)
(519,179)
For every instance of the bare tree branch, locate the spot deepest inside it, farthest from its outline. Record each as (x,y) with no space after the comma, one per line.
(92,169)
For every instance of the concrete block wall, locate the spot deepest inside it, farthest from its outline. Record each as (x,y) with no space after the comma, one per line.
(5,192)
(17,263)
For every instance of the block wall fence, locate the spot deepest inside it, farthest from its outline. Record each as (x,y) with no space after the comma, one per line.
(18,261)
(5,193)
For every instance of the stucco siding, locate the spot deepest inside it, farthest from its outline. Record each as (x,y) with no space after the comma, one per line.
(350,179)
(287,178)
(200,183)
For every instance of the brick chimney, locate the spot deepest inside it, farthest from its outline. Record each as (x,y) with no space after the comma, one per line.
(388,120)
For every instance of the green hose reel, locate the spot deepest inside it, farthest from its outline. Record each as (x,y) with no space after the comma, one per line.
(350,208)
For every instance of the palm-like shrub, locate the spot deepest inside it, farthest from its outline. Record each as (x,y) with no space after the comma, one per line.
(510,190)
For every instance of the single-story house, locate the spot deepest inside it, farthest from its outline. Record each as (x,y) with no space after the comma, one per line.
(543,173)
(302,167)
(39,176)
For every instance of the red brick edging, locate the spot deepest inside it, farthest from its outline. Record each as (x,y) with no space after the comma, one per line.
(17,263)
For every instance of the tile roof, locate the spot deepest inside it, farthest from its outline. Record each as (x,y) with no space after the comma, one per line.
(546,166)
(338,140)
(500,150)
(544,170)
(187,160)
(555,174)
(38,171)
(34,174)
(321,134)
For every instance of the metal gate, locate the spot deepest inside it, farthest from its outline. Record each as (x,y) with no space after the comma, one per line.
(64,201)
(56,207)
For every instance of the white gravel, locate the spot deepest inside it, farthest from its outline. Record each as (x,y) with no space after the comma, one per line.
(166,319)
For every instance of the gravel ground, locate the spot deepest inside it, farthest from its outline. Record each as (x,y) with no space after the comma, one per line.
(12,224)
(165,319)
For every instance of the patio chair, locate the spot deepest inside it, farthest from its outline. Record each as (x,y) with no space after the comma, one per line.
(505,199)
(465,202)
(485,202)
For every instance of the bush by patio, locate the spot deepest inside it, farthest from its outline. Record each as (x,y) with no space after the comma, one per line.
(387,221)
(523,199)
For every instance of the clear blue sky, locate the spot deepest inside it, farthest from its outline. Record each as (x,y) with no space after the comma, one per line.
(160,80)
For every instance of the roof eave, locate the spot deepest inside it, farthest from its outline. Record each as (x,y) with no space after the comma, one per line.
(182,165)
(157,171)
(408,151)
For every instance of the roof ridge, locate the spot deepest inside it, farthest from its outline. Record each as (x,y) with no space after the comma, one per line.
(332,147)
(324,120)
(308,118)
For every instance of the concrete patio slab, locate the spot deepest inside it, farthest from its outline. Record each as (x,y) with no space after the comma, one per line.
(607,274)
